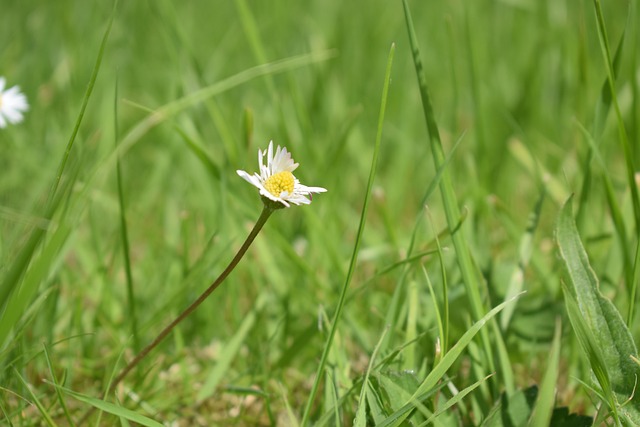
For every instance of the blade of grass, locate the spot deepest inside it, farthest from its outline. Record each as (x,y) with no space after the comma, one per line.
(356,248)
(604,102)
(444,339)
(600,117)
(361,412)
(455,400)
(438,316)
(398,418)
(111,408)
(618,221)
(622,132)
(293,421)
(452,212)
(411,322)
(85,102)
(169,110)
(36,401)
(439,371)
(516,281)
(124,235)
(543,409)
(250,28)
(385,362)
(19,301)
(231,350)
(54,378)
(20,264)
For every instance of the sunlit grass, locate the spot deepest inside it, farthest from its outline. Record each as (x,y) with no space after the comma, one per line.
(114,220)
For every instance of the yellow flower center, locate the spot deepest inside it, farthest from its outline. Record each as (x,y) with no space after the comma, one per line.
(279,182)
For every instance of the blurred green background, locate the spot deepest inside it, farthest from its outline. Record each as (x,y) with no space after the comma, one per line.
(512,80)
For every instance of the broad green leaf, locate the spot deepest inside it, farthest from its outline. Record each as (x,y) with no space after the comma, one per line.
(599,321)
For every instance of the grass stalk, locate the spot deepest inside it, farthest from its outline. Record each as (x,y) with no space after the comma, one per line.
(85,102)
(467,268)
(622,132)
(124,235)
(356,247)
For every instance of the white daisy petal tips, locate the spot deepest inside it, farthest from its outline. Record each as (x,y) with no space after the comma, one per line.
(276,181)
(13,104)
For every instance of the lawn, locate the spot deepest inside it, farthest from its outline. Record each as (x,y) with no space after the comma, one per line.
(474,261)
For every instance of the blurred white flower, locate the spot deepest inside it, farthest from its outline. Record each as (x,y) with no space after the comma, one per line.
(276,181)
(13,104)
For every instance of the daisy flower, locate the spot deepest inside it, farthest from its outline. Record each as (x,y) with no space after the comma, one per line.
(276,181)
(12,104)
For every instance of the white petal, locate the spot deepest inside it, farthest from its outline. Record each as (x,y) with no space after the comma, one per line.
(299,199)
(251,179)
(313,189)
(2,83)
(270,196)
(14,116)
(270,155)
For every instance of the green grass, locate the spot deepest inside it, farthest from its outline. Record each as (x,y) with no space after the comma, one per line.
(395,297)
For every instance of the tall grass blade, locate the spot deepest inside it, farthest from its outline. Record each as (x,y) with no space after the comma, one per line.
(250,27)
(124,235)
(463,255)
(85,102)
(61,399)
(356,248)
(545,403)
(618,221)
(622,132)
(18,302)
(525,250)
(361,412)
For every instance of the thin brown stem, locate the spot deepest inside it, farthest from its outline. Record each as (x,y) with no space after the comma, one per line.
(266,212)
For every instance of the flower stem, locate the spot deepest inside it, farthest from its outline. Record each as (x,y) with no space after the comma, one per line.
(266,212)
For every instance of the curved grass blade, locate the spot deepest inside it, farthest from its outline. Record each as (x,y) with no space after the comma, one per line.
(36,401)
(455,400)
(111,408)
(438,372)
